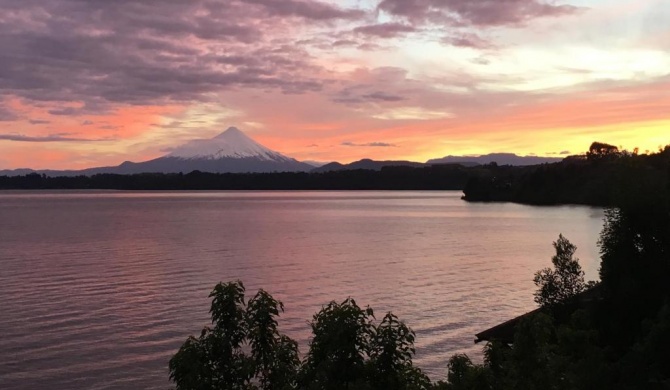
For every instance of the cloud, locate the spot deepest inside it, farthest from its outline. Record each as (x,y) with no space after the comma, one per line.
(103,54)
(412,113)
(385,30)
(62,137)
(109,127)
(364,85)
(314,10)
(316,71)
(7,115)
(370,144)
(482,13)
(469,40)
(383,96)
(67,111)
(481,61)
(38,122)
(564,152)
(344,42)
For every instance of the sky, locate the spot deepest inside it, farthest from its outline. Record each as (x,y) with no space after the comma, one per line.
(96,82)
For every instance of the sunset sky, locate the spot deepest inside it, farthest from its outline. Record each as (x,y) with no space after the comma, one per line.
(98,82)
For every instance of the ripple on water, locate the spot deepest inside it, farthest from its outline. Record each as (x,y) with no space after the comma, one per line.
(100,289)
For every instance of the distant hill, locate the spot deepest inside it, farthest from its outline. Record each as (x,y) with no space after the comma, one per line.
(466,161)
(316,164)
(498,158)
(16,172)
(366,164)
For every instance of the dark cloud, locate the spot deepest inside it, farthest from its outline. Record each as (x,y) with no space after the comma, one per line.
(62,137)
(109,127)
(369,46)
(67,111)
(472,41)
(38,122)
(481,61)
(102,53)
(314,10)
(370,144)
(385,30)
(365,89)
(475,12)
(7,115)
(344,42)
(565,152)
(383,96)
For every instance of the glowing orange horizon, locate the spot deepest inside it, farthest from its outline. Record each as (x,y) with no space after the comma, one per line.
(337,89)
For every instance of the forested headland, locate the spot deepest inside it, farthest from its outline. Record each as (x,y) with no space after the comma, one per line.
(601,177)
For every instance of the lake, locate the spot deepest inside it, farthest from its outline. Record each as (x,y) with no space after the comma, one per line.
(99,289)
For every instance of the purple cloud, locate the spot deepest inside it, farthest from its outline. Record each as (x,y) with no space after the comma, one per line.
(350,96)
(385,30)
(103,53)
(62,137)
(475,12)
(370,144)
(344,42)
(7,115)
(472,41)
(366,89)
(314,10)
(383,96)
(67,111)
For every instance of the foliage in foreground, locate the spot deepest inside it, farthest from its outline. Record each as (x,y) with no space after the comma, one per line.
(566,280)
(565,346)
(245,350)
(218,360)
(618,341)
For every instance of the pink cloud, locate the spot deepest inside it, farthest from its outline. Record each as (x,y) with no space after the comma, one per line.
(385,30)
(475,12)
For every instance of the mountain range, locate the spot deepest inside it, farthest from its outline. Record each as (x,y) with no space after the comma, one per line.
(234,152)
(498,158)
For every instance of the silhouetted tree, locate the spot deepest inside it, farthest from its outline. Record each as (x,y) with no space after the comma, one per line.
(340,344)
(566,280)
(216,359)
(275,357)
(391,351)
(599,151)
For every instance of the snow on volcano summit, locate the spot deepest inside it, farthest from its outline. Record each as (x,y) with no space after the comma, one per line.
(232,143)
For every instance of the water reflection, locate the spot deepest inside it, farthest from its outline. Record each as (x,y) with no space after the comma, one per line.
(100,288)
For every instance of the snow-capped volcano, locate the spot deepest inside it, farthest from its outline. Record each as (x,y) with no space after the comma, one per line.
(232,143)
(229,152)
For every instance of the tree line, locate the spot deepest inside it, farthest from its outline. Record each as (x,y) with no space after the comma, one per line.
(444,177)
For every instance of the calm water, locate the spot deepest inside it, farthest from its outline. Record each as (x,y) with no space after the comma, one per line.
(99,289)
